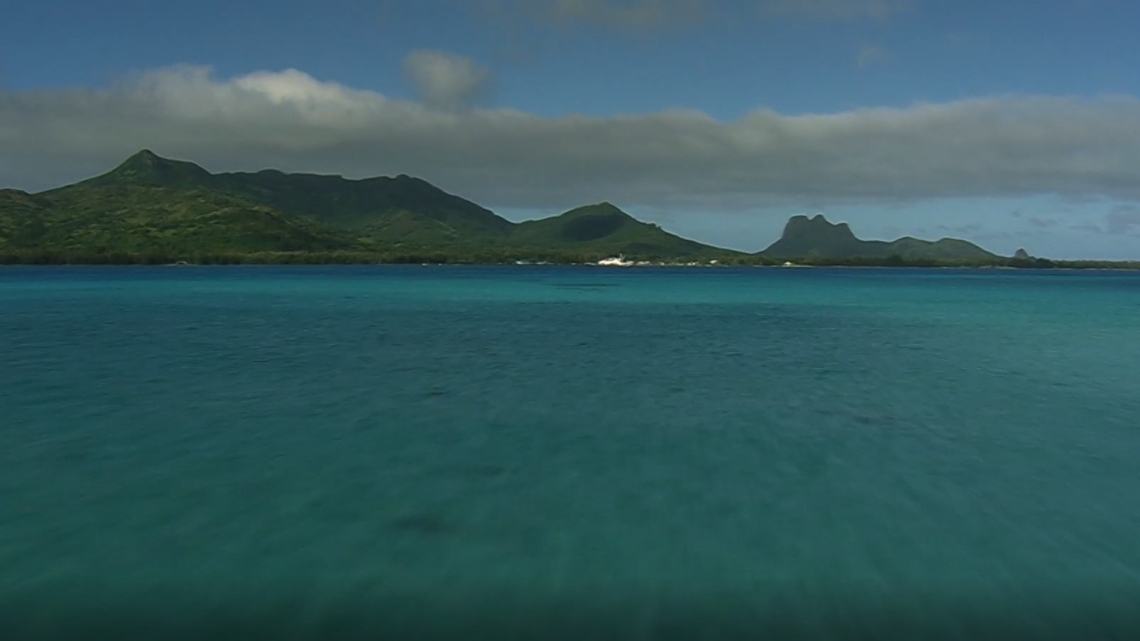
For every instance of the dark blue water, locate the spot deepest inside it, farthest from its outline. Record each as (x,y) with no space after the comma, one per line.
(579,451)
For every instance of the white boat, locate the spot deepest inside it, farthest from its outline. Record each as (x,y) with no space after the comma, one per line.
(620,261)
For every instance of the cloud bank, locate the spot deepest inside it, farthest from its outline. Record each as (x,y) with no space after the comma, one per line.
(998,146)
(445,80)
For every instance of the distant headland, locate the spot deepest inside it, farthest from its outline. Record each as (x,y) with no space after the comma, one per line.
(154,210)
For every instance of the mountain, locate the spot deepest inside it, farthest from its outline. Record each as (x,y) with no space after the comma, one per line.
(20,216)
(357,204)
(148,169)
(147,220)
(403,210)
(605,229)
(154,209)
(154,205)
(817,237)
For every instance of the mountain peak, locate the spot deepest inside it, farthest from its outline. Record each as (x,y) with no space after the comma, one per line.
(145,155)
(817,237)
(141,160)
(816,226)
(604,208)
(147,167)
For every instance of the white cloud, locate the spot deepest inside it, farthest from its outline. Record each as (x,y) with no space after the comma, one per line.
(445,80)
(679,159)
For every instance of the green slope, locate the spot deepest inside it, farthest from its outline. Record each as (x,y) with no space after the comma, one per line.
(159,207)
(949,249)
(605,230)
(155,205)
(375,210)
(147,169)
(101,218)
(362,204)
(21,217)
(816,237)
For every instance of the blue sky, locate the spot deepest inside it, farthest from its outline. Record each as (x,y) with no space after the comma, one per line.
(1011,123)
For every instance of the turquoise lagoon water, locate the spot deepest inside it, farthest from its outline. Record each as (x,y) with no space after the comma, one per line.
(584,452)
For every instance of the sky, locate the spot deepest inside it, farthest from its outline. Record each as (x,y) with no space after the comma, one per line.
(1011,124)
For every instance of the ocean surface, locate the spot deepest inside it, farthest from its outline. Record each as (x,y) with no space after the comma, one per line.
(569,452)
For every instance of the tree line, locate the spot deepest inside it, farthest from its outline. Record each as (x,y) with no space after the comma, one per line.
(462,257)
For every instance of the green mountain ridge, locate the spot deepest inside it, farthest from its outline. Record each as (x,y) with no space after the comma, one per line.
(138,219)
(603,227)
(154,205)
(155,209)
(147,168)
(817,237)
(327,199)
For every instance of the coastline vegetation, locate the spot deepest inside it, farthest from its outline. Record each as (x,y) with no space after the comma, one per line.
(155,211)
(54,257)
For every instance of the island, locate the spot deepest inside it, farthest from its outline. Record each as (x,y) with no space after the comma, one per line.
(155,210)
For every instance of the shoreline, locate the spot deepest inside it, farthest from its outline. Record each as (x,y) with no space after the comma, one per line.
(253,262)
